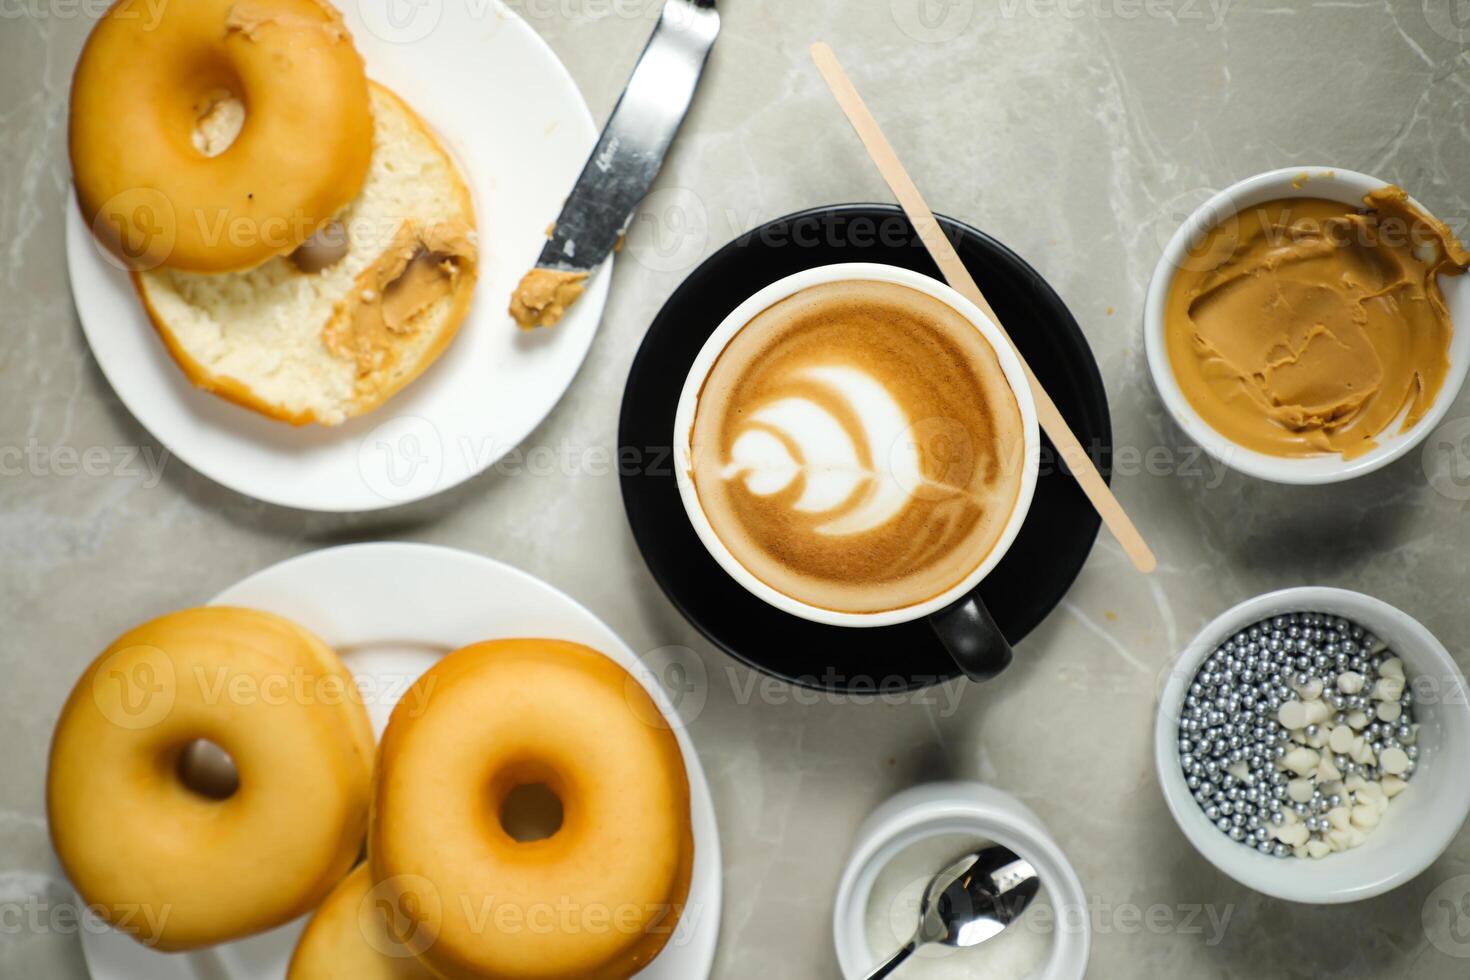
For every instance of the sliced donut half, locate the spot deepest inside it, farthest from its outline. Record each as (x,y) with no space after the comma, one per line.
(353,315)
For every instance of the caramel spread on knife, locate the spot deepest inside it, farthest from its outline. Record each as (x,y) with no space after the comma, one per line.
(420,268)
(545,295)
(1306,326)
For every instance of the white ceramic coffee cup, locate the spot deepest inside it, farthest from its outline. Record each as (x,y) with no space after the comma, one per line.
(774,293)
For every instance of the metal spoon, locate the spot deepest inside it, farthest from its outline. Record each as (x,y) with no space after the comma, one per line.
(970,901)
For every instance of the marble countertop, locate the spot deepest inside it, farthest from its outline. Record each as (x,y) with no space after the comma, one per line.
(1080,132)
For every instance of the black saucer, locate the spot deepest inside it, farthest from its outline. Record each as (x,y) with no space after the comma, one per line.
(1023,588)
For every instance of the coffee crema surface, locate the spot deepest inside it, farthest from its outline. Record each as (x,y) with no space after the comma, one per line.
(857,447)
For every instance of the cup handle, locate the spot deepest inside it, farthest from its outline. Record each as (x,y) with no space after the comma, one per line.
(970,635)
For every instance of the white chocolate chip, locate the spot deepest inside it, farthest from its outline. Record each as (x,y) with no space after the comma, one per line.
(1356,837)
(1310,691)
(1301,760)
(1363,753)
(1392,667)
(1340,839)
(1341,740)
(1317,712)
(1318,849)
(1389,688)
(1340,817)
(1300,790)
(1389,711)
(1294,835)
(1350,682)
(1327,772)
(1365,817)
(1395,761)
(1393,785)
(1358,719)
(1293,715)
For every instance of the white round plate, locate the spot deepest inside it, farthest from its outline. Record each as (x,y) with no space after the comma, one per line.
(509,112)
(392,610)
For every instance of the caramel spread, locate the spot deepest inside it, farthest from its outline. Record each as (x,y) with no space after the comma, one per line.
(420,268)
(545,295)
(1308,326)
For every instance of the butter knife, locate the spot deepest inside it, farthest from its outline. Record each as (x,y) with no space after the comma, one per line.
(623,165)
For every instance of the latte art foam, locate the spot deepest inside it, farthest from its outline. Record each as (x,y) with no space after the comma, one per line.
(833,462)
(857,447)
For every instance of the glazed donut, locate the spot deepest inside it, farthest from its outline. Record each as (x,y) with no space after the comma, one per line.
(352,935)
(598,898)
(142,122)
(161,861)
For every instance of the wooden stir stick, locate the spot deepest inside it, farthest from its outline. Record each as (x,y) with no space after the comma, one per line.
(948,260)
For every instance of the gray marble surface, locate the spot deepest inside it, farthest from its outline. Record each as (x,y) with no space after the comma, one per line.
(1080,132)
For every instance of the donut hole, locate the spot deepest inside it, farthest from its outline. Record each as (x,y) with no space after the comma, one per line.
(219,115)
(531,812)
(206,769)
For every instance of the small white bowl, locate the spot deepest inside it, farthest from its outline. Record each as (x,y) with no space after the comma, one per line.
(967,808)
(1420,822)
(1291,182)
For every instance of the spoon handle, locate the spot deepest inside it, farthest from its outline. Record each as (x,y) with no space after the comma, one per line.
(894,962)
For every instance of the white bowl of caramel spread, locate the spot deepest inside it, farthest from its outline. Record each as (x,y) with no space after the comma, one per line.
(1300,325)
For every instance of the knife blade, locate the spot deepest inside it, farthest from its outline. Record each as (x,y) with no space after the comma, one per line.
(627,157)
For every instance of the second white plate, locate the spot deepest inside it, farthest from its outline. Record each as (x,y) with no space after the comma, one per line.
(392,610)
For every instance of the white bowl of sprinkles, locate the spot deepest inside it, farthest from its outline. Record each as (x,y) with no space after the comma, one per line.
(1419,823)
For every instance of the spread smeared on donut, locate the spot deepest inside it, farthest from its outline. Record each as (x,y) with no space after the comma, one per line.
(420,268)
